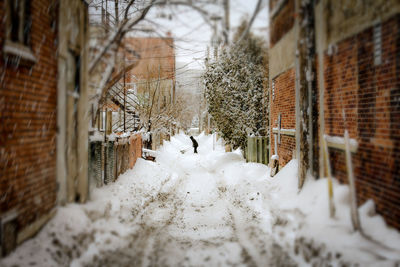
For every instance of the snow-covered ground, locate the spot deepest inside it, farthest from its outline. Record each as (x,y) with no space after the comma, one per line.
(209,209)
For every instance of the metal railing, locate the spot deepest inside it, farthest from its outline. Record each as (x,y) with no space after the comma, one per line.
(124,102)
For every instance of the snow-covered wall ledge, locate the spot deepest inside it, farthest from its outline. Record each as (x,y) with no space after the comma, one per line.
(339,143)
(96,136)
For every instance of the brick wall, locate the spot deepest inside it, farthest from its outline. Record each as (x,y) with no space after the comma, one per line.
(28,122)
(282,100)
(282,22)
(370,97)
(157,58)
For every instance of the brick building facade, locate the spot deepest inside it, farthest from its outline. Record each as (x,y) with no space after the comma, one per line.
(155,73)
(282,115)
(356,62)
(29,114)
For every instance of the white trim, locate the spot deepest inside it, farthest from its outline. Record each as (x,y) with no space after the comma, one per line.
(19,50)
(290,132)
(9,216)
(33,228)
(338,142)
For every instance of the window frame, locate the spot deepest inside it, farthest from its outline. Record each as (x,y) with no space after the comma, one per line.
(19,48)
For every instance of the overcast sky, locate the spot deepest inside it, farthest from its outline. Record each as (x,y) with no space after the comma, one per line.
(192,34)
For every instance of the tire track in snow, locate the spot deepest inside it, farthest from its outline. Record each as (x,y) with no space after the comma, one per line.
(258,246)
(146,240)
(142,239)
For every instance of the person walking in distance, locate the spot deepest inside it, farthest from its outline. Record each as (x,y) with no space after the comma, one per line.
(195,144)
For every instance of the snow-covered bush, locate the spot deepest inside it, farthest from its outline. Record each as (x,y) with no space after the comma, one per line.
(236,89)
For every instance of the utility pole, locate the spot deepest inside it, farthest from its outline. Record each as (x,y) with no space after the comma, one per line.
(124,97)
(116,13)
(226,21)
(107,18)
(102,11)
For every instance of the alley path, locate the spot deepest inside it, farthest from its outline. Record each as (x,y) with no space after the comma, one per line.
(208,209)
(193,217)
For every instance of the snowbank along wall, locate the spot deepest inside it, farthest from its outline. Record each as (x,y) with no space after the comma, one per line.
(360,47)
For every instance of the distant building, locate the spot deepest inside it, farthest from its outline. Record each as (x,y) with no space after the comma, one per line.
(155,73)
(345,76)
(43,110)
(189,79)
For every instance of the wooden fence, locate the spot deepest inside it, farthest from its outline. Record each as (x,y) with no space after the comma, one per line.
(257,149)
(107,160)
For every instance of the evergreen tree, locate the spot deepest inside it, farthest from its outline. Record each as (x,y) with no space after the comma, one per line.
(235,92)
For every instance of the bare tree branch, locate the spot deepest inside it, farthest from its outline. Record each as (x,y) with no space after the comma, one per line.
(118,35)
(127,9)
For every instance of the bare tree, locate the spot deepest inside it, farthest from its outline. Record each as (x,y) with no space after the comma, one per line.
(160,111)
(104,66)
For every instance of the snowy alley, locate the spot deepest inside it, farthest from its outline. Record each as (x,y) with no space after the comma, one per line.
(292,105)
(209,209)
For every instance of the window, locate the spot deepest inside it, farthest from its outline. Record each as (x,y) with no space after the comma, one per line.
(377,44)
(18,26)
(19,21)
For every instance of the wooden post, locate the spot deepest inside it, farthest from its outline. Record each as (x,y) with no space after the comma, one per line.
(332,209)
(279,130)
(306,90)
(124,103)
(355,218)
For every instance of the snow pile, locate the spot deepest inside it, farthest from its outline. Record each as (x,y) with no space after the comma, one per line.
(340,140)
(302,223)
(78,234)
(209,209)
(96,136)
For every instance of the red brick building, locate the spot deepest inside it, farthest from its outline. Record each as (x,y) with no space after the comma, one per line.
(352,72)
(30,84)
(157,57)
